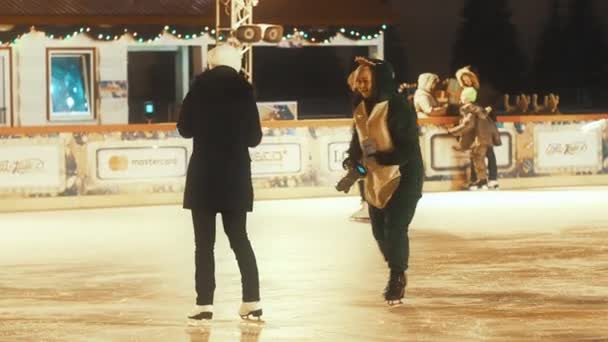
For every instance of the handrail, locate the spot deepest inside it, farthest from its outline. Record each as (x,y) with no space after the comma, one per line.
(439,120)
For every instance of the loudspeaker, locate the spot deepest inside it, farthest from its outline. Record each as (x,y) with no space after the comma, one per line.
(273,33)
(256,33)
(248,33)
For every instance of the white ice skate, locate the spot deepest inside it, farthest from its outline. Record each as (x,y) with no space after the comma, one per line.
(200,314)
(250,309)
(361,215)
(479,185)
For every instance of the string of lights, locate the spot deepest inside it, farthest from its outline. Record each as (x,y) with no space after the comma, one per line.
(152,33)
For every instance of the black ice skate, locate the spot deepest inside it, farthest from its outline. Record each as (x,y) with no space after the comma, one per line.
(200,314)
(249,310)
(395,289)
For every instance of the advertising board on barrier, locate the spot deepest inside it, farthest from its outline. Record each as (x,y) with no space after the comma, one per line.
(442,155)
(336,153)
(28,165)
(561,149)
(278,156)
(128,163)
(141,161)
(442,160)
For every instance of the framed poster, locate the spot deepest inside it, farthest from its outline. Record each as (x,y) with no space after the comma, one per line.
(271,111)
(6,86)
(70,84)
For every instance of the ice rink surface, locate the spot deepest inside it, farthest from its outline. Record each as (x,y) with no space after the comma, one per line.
(484,266)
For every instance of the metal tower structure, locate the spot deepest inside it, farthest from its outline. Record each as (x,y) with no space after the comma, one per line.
(235,13)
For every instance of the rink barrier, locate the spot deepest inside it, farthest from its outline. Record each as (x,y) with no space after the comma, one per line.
(63,167)
(445,120)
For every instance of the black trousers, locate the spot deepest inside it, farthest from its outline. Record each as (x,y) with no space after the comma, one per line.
(492,166)
(390,229)
(235,227)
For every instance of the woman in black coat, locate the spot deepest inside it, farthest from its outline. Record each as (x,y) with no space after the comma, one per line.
(220,113)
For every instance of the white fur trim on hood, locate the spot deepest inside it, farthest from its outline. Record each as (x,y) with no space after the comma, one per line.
(226,55)
(467,71)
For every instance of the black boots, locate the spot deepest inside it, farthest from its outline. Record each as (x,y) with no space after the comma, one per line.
(395,289)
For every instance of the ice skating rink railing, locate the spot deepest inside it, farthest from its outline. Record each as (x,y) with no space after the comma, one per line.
(54,167)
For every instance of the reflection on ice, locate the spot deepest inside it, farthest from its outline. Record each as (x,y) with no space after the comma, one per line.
(531,269)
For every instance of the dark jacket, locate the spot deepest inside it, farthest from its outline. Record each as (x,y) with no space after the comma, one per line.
(402,128)
(221,114)
(476,128)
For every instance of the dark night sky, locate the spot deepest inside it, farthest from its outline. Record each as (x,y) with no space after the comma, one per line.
(428,28)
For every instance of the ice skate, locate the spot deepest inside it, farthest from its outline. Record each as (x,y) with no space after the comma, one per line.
(395,289)
(200,314)
(469,185)
(480,185)
(250,309)
(493,185)
(361,215)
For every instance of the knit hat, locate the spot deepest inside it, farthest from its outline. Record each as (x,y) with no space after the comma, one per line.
(226,55)
(468,95)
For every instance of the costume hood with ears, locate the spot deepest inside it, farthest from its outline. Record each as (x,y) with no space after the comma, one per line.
(383,78)
(226,55)
(467,71)
(425,81)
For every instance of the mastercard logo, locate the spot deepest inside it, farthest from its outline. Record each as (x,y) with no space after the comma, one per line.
(118,163)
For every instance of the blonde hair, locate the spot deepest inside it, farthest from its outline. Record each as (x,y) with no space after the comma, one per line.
(352,78)
(364,63)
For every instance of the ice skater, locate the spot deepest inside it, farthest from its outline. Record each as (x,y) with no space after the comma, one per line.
(220,113)
(476,132)
(468,79)
(385,145)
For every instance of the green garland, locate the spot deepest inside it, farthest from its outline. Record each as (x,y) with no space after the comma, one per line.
(150,33)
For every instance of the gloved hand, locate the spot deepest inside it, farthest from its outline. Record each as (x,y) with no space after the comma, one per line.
(355,171)
(347,181)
